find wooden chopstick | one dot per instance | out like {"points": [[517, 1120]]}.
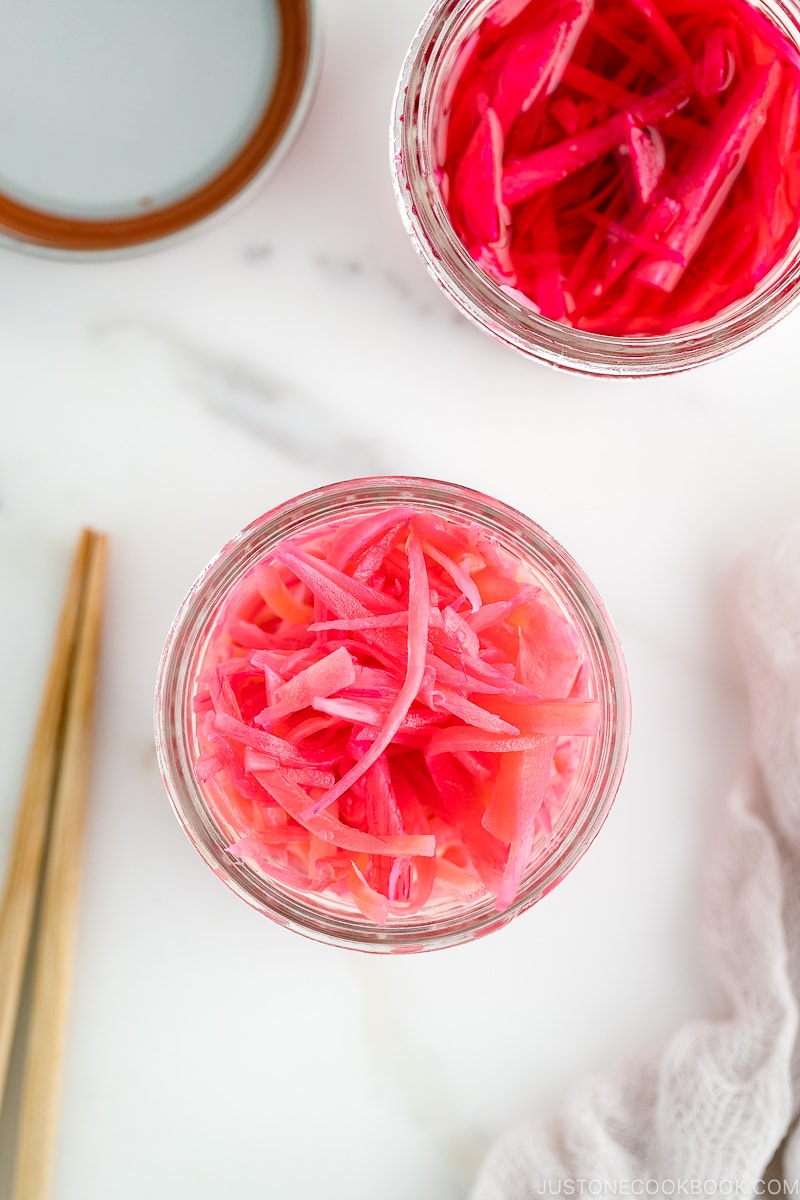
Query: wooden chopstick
{"points": [[56, 786], [27, 846]]}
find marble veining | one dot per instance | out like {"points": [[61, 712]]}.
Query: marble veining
{"points": [[264, 406], [416, 298]]}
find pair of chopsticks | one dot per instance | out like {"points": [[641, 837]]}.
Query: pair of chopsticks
{"points": [[45, 865]]}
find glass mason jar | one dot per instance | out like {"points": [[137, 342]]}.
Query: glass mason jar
{"points": [[442, 921], [428, 65]]}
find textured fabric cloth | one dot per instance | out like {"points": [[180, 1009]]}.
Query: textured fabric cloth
{"points": [[706, 1113]]}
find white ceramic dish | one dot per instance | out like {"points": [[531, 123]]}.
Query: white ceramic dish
{"points": [[122, 125]]}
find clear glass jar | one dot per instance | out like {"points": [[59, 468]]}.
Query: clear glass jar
{"points": [[442, 921], [428, 64]]}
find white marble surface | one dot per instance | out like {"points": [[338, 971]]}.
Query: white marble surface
{"points": [[171, 398]]}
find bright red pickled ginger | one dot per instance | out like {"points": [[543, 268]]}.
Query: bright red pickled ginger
{"points": [[392, 710], [627, 167]]}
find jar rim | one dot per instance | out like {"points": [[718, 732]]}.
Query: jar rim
{"points": [[484, 302], [185, 646]]}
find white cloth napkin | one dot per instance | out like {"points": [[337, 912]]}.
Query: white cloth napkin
{"points": [[706, 1113]]}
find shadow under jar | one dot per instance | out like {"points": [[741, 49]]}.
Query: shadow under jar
{"points": [[608, 186], [298, 643]]}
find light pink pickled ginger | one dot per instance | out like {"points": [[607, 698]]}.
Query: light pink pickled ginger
{"points": [[389, 712]]}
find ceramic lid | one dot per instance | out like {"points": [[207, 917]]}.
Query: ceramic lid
{"points": [[122, 123]]}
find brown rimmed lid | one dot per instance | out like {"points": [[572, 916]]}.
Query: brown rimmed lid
{"points": [[34, 224]]}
